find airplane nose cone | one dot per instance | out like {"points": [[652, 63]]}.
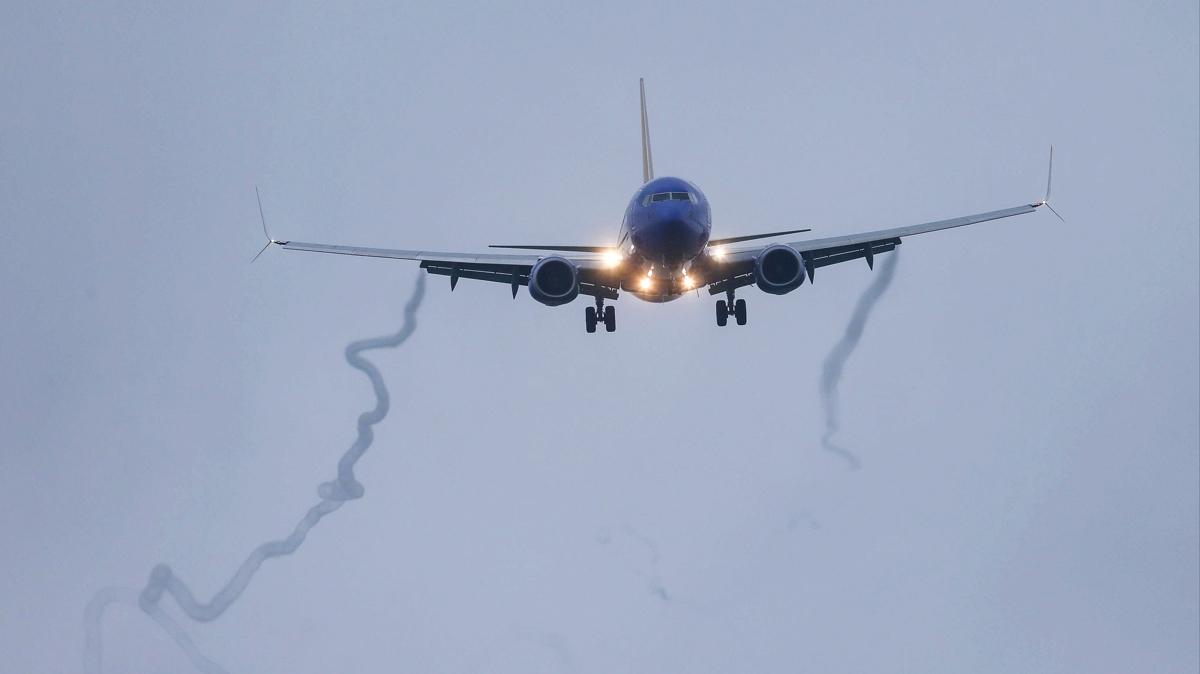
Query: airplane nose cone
{"points": [[672, 236]]}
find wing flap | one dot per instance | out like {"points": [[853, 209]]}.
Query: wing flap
{"points": [[517, 275], [513, 275], [828, 256]]}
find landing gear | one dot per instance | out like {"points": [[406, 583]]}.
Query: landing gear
{"points": [[730, 307], [598, 314]]}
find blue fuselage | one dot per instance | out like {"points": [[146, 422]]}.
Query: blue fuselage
{"points": [[666, 226]]}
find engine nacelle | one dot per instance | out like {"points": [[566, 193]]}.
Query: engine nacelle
{"points": [[554, 281], [779, 269]]}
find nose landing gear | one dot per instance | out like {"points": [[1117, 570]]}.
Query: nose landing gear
{"points": [[598, 314], [727, 308]]}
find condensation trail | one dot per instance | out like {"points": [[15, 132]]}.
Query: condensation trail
{"points": [[561, 648], [653, 578], [656, 583], [333, 494], [831, 374]]}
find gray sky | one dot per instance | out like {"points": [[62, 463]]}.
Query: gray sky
{"points": [[1024, 401]]}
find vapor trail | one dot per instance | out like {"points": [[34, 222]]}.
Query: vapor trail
{"points": [[656, 584], [831, 374], [653, 578], [333, 494]]}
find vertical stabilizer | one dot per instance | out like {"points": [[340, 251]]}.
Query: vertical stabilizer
{"points": [[647, 159]]}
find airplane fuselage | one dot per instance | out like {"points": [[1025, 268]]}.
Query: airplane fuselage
{"points": [[666, 227]]}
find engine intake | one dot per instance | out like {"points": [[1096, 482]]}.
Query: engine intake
{"points": [[554, 281], [778, 270]]}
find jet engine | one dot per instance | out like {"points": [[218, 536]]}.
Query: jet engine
{"points": [[778, 270], [553, 281]]}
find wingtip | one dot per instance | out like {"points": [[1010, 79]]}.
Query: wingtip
{"points": [[266, 233], [1056, 213], [1049, 175], [260, 252], [1049, 181], [262, 216]]}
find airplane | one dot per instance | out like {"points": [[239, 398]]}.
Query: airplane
{"points": [[663, 251]]}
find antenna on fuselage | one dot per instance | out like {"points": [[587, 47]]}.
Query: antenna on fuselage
{"points": [[647, 159]]}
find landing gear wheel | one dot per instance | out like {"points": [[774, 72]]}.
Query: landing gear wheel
{"points": [[610, 319], [739, 312], [722, 313], [590, 318]]}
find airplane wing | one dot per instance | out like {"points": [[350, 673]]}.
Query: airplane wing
{"points": [[751, 237], [734, 266], [509, 269]]}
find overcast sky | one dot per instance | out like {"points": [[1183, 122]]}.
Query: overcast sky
{"points": [[1023, 402]]}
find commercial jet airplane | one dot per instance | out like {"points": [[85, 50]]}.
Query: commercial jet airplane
{"points": [[663, 250]]}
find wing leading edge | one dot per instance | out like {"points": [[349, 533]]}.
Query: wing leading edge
{"points": [[420, 255], [513, 270]]}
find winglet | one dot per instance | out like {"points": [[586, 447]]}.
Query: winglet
{"points": [[266, 233], [1050, 176]]}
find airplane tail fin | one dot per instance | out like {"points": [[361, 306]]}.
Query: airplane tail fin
{"points": [[647, 158]]}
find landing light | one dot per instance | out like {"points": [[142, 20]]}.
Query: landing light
{"points": [[645, 284], [686, 281], [613, 259], [717, 253]]}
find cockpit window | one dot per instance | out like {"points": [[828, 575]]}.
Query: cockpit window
{"points": [[666, 196]]}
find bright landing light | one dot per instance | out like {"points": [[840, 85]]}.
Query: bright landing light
{"points": [[613, 259], [646, 283], [686, 281], [716, 253]]}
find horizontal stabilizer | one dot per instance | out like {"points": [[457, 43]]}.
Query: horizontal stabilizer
{"points": [[751, 237]]}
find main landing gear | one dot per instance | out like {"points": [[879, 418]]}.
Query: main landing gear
{"points": [[600, 313], [727, 308]]}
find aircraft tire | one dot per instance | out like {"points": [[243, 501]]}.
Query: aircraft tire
{"points": [[739, 311], [610, 319], [589, 316], [722, 313]]}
